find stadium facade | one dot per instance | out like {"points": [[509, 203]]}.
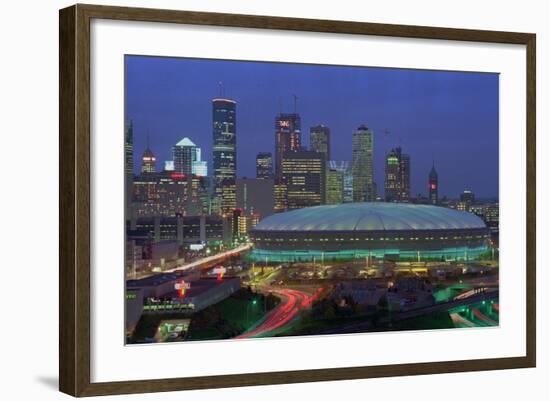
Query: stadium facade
{"points": [[378, 230]]}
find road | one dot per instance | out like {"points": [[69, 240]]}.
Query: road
{"points": [[292, 303], [211, 259], [394, 317]]}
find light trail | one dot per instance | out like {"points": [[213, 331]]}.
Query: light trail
{"points": [[485, 319], [459, 320], [211, 259], [293, 302]]}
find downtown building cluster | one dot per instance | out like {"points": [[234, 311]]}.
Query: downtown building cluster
{"points": [[183, 203]]}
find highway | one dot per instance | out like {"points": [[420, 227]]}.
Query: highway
{"points": [[209, 260], [459, 321], [438, 307], [292, 303], [485, 319]]}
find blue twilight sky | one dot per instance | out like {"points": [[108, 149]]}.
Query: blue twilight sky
{"points": [[450, 117]]}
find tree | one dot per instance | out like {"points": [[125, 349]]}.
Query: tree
{"points": [[383, 302]]}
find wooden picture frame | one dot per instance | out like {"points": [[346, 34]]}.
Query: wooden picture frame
{"points": [[74, 203]]}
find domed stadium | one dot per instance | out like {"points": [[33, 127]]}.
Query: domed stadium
{"points": [[393, 231]]}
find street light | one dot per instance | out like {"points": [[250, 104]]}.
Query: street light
{"points": [[247, 307]]}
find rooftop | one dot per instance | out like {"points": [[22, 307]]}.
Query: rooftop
{"points": [[371, 216], [155, 280], [186, 142], [201, 286]]}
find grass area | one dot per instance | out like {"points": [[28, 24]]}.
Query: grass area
{"points": [[434, 321], [235, 311], [230, 317], [308, 326]]}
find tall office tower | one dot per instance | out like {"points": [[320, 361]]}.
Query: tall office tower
{"points": [[467, 199], [239, 224], [304, 174], [405, 177], [364, 188], [280, 201], [392, 182], [335, 187], [183, 154], [224, 152], [148, 161], [397, 186], [288, 137], [128, 165], [468, 196], [129, 147], [433, 186], [264, 165], [319, 140], [345, 167]]}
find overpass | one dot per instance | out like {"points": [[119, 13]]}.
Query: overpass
{"points": [[486, 295], [210, 261]]}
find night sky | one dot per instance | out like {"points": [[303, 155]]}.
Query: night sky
{"points": [[450, 117]]}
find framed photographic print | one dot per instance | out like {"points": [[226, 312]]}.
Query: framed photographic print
{"points": [[303, 198]]}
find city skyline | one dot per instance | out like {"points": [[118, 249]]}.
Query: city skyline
{"points": [[194, 121], [330, 233]]}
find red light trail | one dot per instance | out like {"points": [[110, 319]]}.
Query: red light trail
{"points": [[293, 302]]}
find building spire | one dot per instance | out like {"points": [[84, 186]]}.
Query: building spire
{"points": [[221, 89], [295, 103]]}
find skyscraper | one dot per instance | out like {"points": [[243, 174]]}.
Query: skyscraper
{"points": [[264, 165], [187, 159], [224, 152], [397, 185], [433, 185], [183, 153], [148, 161], [129, 147], [288, 137], [405, 177], [468, 196], [334, 187], [128, 165], [467, 199], [392, 181], [304, 174], [345, 167], [319, 140], [280, 201], [364, 188]]}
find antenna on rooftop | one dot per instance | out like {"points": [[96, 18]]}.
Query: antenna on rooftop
{"points": [[222, 92], [295, 103]]}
